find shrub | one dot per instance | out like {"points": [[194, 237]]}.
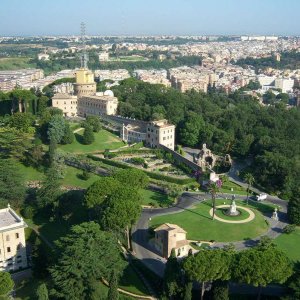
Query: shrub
{"points": [[28, 212], [289, 228], [85, 175], [88, 135], [137, 160]]}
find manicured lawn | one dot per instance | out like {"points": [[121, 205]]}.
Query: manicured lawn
{"points": [[29, 173], [290, 244], [221, 212], [155, 198], [228, 185], [131, 282], [103, 140], [73, 178], [199, 225]]}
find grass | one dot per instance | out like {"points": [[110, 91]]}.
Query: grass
{"points": [[228, 185], [14, 63], [289, 243], [29, 173], [155, 199], [221, 212], [199, 225], [103, 140], [131, 282]]}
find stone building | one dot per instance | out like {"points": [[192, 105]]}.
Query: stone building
{"points": [[85, 84], [98, 104], [160, 133], [132, 134], [171, 236], [13, 254], [67, 103]]}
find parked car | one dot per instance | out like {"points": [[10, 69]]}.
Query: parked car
{"points": [[261, 197]]}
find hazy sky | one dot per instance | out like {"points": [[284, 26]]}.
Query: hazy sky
{"points": [[150, 17]]}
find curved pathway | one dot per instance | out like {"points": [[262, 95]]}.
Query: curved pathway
{"points": [[249, 219], [148, 255]]}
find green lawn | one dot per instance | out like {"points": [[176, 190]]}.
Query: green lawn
{"points": [[155, 199], [228, 185], [290, 244], [14, 63], [103, 140], [221, 212], [29, 173], [199, 226]]}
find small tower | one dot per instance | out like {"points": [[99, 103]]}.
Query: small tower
{"points": [[85, 84]]}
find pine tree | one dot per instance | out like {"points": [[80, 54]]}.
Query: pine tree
{"points": [[88, 135], [68, 137], [113, 293], [42, 292]]}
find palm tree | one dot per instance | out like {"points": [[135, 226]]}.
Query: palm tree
{"points": [[250, 180], [214, 188]]}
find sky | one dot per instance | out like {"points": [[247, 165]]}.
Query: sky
{"points": [[150, 17]]}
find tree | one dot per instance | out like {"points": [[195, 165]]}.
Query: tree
{"points": [[250, 180], [294, 209], [262, 265], [6, 283], [22, 121], [121, 210], [42, 292], [214, 188], [68, 136], [208, 265], [42, 104], [49, 192], [99, 191], [220, 291], [172, 275], [94, 122], [88, 135], [86, 254], [190, 132], [133, 178], [113, 293], [56, 128], [187, 294], [12, 189]]}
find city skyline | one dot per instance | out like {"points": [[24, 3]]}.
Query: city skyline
{"points": [[132, 17]]}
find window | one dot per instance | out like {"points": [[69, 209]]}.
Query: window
{"points": [[8, 249], [17, 235], [7, 238]]}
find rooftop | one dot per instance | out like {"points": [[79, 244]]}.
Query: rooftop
{"points": [[170, 227], [9, 219]]}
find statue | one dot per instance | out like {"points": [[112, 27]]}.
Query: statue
{"points": [[232, 211], [275, 214]]}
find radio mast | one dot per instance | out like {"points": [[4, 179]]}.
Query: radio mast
{"points": [[84, 57]]}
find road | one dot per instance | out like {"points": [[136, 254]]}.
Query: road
{"points": [[148, 255]]}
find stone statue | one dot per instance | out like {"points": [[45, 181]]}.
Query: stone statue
{"points": [[232, 211], [275, 214]]}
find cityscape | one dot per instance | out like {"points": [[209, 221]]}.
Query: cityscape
{"points": [[150, 151]]}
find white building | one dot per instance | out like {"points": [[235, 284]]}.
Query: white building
{"points": [[67, 103], [12, 241], [43, 56], [103, 56], [160, 133], [285, 84]]}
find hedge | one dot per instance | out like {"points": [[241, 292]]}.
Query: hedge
{"points": [[150, 174]]}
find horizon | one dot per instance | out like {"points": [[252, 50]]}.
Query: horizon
{"points": [[135, 18]]}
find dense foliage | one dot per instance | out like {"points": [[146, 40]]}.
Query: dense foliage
{"points": [[288, 60], [234, 124]]}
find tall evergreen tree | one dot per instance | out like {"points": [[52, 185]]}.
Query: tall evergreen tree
{"points": [[88, 135], [42, 292], [113, 293]]}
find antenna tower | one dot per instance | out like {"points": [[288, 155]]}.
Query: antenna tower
{"points": [[84, 56]]}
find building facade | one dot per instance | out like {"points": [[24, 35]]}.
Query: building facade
{"points": [[13, 254], [97, 105], [160, 133], [67, 103], [132, 134], [171, 236], [85, 84]]}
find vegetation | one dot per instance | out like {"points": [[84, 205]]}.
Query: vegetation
{"points": [[199, 226], [6, 284], [288, 60]]}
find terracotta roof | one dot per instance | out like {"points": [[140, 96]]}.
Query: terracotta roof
{"points": [[170, 227]]}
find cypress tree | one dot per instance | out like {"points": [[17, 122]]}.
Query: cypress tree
{"points": [[113, 293], [88, 135]]}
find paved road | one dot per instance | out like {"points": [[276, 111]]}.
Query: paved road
{"points": [[147, 254]]}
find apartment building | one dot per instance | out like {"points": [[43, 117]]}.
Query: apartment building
{"points": [[160, 133], [13, 254]]}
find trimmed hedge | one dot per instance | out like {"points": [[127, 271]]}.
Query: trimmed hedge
{"points": [[150, 174]]}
